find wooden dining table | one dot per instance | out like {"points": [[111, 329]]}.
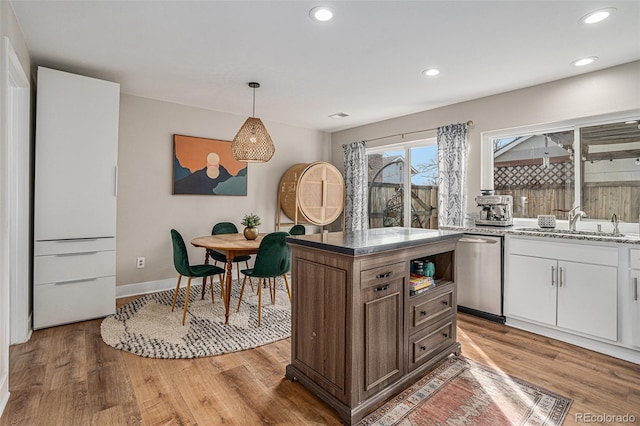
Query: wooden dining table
{"points": [[232, 245]]}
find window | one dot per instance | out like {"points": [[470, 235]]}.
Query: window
{"points": [[537, 170], [548, 170], [398, 194]]}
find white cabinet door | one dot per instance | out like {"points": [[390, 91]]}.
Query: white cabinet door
{"points": [[76, 156], [532, 289], [588, 299], [635, 308]]}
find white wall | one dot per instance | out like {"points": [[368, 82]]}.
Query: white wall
{"points": [[147, 210], [611, 90]]}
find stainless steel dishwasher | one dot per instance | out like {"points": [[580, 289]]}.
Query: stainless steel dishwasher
{"points": [[479, 276]]}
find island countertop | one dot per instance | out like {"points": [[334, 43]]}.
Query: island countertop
{"points": [[358, 243]]}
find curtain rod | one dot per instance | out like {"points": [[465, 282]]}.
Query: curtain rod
{"points": [[469, 123]]}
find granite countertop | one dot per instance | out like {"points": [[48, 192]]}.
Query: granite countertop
{"points": [[373, 240], [626, 238]]}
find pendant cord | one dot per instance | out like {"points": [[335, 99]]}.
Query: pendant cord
{"points": [[254, 102]]}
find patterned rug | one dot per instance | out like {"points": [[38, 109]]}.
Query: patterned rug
{"points": [[148, 328], [462, 392]]}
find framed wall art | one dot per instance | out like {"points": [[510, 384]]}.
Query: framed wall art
{"points": [[206, 166]]}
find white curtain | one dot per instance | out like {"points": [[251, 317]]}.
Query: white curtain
{"points": [[452, 174], [355, 179]]}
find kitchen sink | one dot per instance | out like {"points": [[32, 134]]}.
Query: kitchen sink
{"points": [[568, 232]]}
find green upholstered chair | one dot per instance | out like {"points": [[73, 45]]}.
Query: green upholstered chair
{"points": [[181, 263], [297, 230], [272, 260], [227, 228]]}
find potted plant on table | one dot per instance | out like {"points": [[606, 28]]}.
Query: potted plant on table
{"points": [[251, 222]]}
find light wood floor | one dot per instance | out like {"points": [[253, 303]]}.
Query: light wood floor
{"points": [[67, 376]]}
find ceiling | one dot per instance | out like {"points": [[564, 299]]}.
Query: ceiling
{"points": [[366, 62]]}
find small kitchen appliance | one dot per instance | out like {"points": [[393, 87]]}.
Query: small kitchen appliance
{"points": [[496, 210]]}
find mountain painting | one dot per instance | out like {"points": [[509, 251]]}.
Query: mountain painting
{"points": [[207, 167]]}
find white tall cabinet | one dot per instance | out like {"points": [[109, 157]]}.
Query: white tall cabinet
{"points": [[75, 198]]}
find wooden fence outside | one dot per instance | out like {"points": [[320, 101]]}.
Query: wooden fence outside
{"points": [[596, 201]]}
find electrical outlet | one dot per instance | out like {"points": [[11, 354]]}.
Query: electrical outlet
{"points": [[140, 262]]}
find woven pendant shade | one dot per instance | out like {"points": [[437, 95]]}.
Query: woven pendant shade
{"points": [[252, 143]]}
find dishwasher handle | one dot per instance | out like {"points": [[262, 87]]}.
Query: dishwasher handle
{"points": [[477, 240]]}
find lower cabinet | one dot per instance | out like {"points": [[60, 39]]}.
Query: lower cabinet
{"points": [[547, 285], [74, 280], [432, 323], [383, 354]]}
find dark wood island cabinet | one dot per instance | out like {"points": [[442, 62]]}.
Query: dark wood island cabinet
{"points": [[359, 335]]}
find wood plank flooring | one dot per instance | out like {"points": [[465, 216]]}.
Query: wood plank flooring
{"points": [[67, 376]]}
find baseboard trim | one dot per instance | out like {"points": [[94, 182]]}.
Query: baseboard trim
{"points": [[4, 393], [137, 289]]}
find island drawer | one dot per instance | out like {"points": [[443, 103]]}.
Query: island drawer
{"points": [[382, 275], [431, 306], [423, 345]]}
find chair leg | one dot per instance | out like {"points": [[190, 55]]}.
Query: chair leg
{"points": [[286, 282], [213, 300], [259, 300], [204, 287], [244, 281], [272, 289], [221, 287], [221, 276], [250, 280], [175, 295], [186, 301]]}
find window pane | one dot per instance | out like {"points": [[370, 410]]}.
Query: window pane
{"points": [[611, 171], [386, 182], [424, 187], [537, 170]]}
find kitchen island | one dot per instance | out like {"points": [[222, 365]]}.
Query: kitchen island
{"points": [[360, 334]]}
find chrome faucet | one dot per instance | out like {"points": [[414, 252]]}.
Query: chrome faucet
{"points": [[615, 221], [574, 215]]}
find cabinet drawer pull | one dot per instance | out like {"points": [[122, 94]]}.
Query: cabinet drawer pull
{"points": [[423, 348], [635, 289], [75, 281], [445, 302], [560, 272], [553, 276], [423, 313], [84, 253], [445, 334], [385, 275], [382, 288]]}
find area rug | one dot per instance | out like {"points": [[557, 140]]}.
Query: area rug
{"points": [[463, 392], [148, 328]]}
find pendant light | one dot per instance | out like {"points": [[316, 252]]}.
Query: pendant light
{"points": [[252, 143]]}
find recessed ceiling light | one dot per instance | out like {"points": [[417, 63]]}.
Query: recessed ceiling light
{"points": [[321, 13], [598, 15], [431, 72], [339, 115], [584, 61]]}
